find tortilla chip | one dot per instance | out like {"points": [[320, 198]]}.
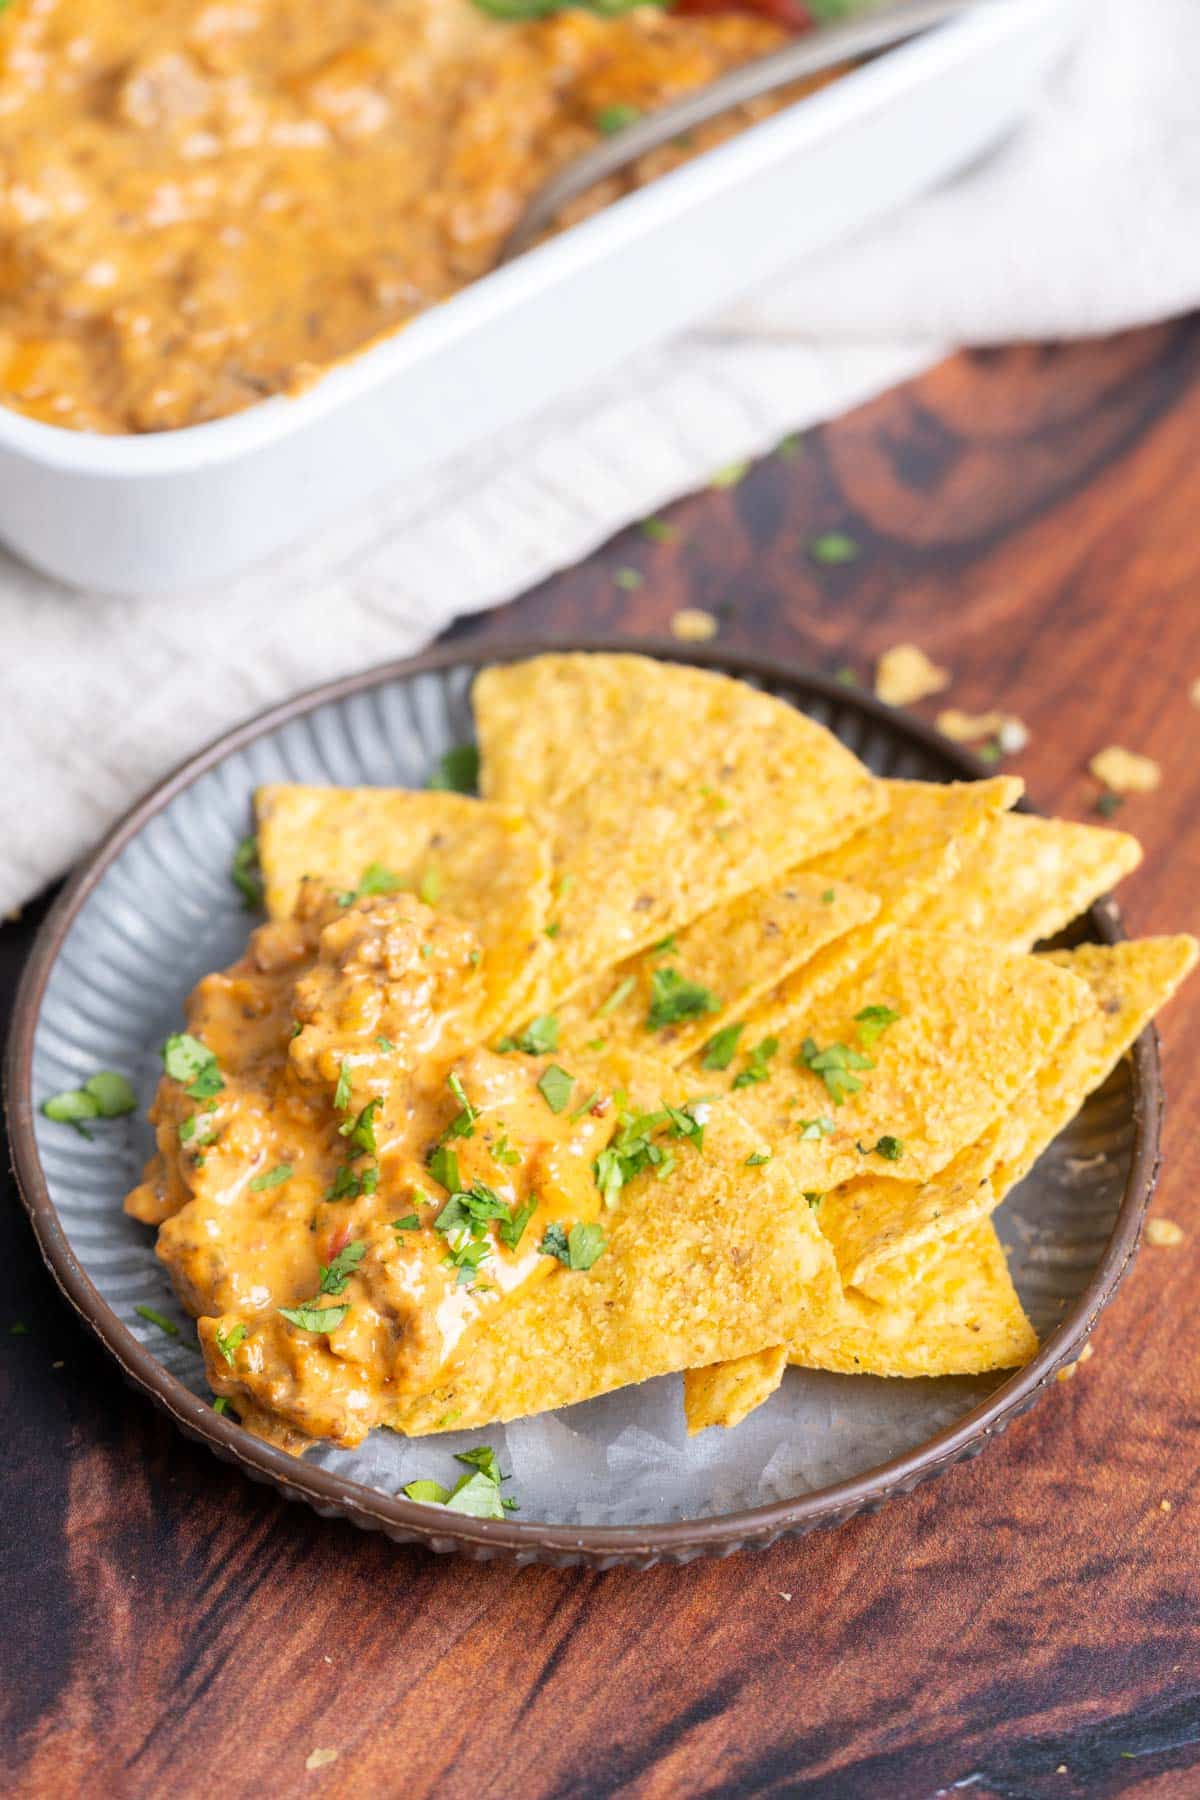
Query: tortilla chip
{"points": [[485, 865], [736, 952], [874, 1224], [1028, 877], [901, 859], [713, 1260], [727, 1392], [662, 790], [971, 1024], [955, 1312]]}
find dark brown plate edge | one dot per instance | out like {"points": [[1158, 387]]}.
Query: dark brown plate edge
{"points": [[595, 1546]]}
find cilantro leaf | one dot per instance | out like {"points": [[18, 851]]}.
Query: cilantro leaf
{"points": [[228, 1341], [556, 1087], [833, 1065], [165, 1325], [443, 1166], [272, 1178], [890, 1148], [112, 1092], [429, 1493], [757, 1062], [71, 1108], [410, 1222], [757, 1159], [577, 1248], [484, 1459], [311, 1317], [186, 1059], [341, 1093], [816, 1128], [334, 1278], [361, 1130], [719, 1050], [457, 770], [246, 875], [673, 997], [462, 1125], [350, 1183], [539, 1038], [511, 1231], [872, 1022], [617, 998]]}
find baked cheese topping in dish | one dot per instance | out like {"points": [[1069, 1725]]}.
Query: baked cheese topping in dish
{"points": [[205, 202]]}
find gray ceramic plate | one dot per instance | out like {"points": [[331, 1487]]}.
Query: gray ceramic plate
{"points": [[615, 1480]]}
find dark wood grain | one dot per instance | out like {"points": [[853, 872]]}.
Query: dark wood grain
{"points": [[1031, 519]]}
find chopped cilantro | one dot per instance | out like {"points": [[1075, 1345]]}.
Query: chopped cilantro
{"points": [[890, 1148], [337, 1274], [376, 879], [361, 1130], [72, 1107], [246, 875], [628, 579], [477, 1493], [112, 1092], [665, 946], [814, 1198], [221, 1405], [485, 1460], [757, 1159], [511, 1231], [539, 1038], [846, 678], [552, 931], [311, 1317], [556, 1087], [989, 752], [505, 1153], [834, 1065], [833, 548], [595, 1044], [618, 996], [757, 1061], [872, 1022], [341, 1093], [457, 770], [816, 1128], [385, 1044], [462, 1125], [430, 887], [350, 1183], [410, 1222], [611, 119], [658, 531], [577, 1248], [673, 997], [443, 1166], [828, 897], [156, 1318], [634, 1149], [1108, 804], [730, 475], [228, 1341], [272, 1178], [429, 1493], [586, 1106], [186, 1059]]}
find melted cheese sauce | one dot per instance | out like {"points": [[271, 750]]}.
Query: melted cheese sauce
{"points": [[203, 202], [337, 1010]]}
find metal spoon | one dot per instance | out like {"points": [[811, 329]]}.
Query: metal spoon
{"points": [[811, 54]]}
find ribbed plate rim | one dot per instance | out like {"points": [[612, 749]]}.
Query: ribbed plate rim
{"points": [[407, 1521]]}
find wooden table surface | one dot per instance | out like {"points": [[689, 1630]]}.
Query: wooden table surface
{"points": [[1029, 1624]]}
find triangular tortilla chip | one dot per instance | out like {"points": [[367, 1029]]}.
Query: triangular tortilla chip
{"points": [[480, 863], [959, 1315], [967, 1025], [902, 859], [714, 1258], [663, 791], [873, 1224], [735, 953], [728, 1392], [1028, 877]]}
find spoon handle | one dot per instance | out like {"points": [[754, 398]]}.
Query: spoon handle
{"points": [[811, 54]]}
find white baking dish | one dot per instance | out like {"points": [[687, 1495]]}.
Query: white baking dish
{"points": [[176, 510]]}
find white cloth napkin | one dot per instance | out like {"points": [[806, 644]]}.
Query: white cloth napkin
{"points": [[1086, 222]]}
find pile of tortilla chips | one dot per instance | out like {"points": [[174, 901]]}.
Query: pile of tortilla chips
{"points": [[718, 903]]}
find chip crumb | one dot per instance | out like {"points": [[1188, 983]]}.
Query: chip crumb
{"points": [[1194, 692], [1164, 1234], [1061, 1769], [1164, 1506], [968, 728], [1088, 1350], [904, 674], [1125, 771], [320, 1759], [1013, 736], [1067, 1372], [784, 1596], [692, 626]]}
